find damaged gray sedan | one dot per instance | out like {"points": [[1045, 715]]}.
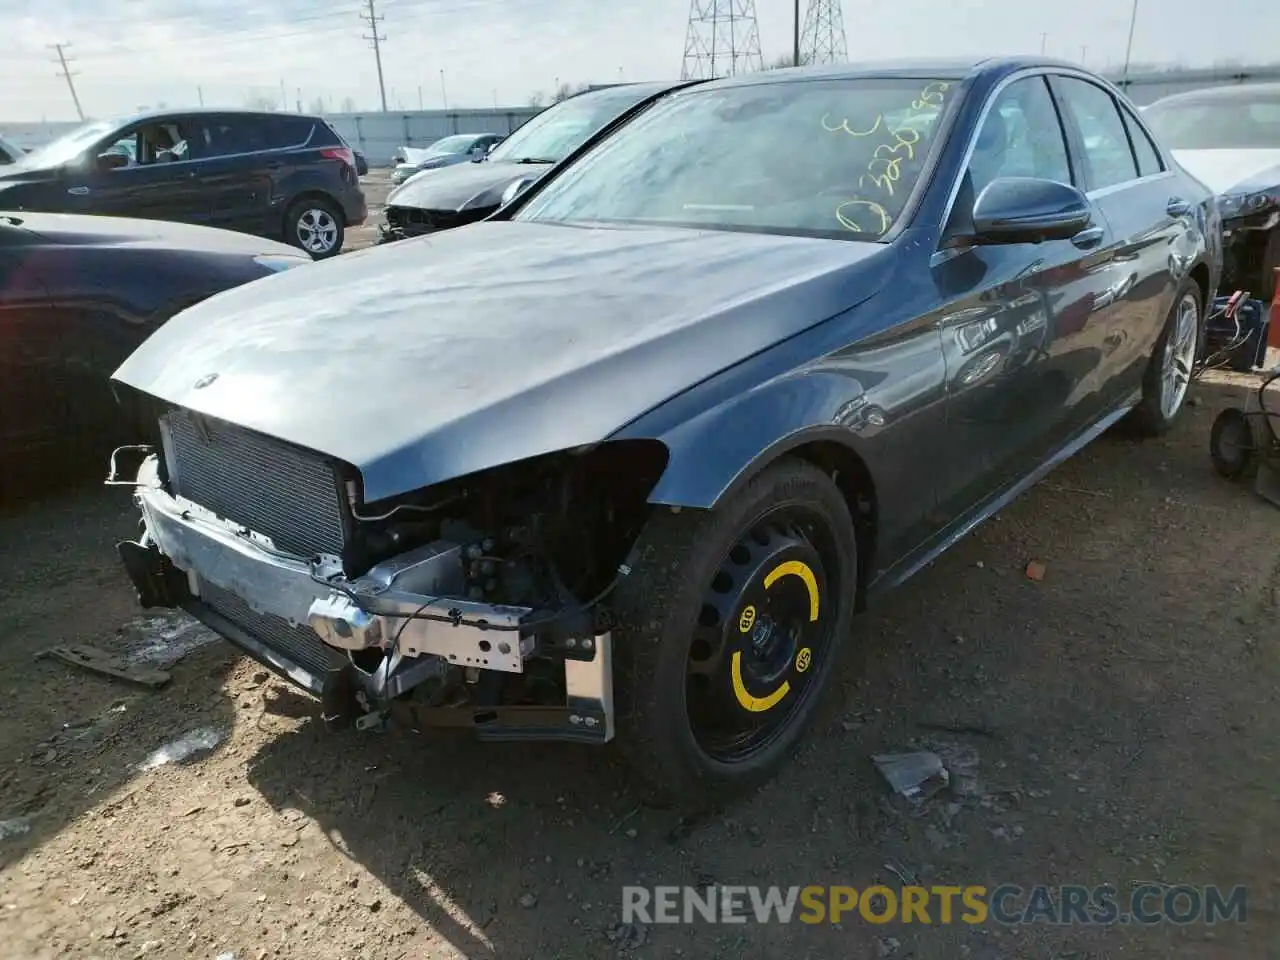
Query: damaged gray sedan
{"points": [[620, 462]]}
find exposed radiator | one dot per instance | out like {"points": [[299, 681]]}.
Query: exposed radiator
{"points": [[280, 491], [300, 645]]}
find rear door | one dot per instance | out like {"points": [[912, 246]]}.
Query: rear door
{"points": [[244, 156], [1130, 182], [1019, 319]]}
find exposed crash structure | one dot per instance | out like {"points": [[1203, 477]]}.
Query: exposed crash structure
{"points": [[478, 602]]}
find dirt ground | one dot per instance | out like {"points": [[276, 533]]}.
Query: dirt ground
{"points": [[1124, 711]]}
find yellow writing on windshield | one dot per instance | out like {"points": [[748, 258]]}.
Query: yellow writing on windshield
{"points": [[884, 169]]}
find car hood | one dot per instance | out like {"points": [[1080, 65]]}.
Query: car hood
{"points": [[81, 230], [464, 186], [440, 356], [1232, 171]]}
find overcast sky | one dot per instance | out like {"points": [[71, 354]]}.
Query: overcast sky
{"points": [[131, 53]]}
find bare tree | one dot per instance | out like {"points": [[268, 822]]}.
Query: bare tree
{"points": [[567, 90], [349, 105], [318, 106], [537, 99], [261, 103]]}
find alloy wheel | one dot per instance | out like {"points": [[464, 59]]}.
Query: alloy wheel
{"points": [[317, 230], [1179, 356]]}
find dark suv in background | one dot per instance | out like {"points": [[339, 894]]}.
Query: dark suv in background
{"points": [[280, 175]]}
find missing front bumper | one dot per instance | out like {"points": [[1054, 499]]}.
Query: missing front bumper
{"points": [[271, 606]]}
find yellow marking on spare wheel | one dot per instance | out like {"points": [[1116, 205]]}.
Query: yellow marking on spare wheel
{"points": [[747, 620], [804, 659], [754, 704], [797, 568]]}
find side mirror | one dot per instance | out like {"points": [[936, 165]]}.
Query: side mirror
{"points": [[111, 161], [1028, 210]]}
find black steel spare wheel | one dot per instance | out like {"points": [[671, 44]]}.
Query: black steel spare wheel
{"points": [[759, 633], [729, 628]]}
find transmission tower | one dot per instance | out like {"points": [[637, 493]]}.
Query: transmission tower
{"points": [[722, 40], [823, 40]]}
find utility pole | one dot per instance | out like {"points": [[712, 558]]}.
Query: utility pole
{"points": [[67, 74], [1128, 50], [299, 99], [1044, 43], [376, 40], [795, 37], [284, 98], [443, 94], [1084, 52], [200, 94], [421, 106]]}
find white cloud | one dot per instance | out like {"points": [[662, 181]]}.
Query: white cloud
{"points": [[134, 52]]}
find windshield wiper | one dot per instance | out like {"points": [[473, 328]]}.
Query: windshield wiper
{"points": [[534, 160]]}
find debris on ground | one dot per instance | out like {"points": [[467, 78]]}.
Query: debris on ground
{"points": [[916, 776], [163, 641], [14, 828], [628, 936], [196, 741], [528, 900], [961, 764], [887, 946], [101, 662], [1036, 571]]}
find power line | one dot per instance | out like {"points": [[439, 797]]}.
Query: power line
{"points": [[373, 20], [68, 74]]}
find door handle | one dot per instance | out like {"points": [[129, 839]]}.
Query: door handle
{"points": [[1177, 207], [1088, 237], [78, 191]]}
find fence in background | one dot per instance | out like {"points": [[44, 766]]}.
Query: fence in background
{"points": [[1145, 88], [379, 135]]}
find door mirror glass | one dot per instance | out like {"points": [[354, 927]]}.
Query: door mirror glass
{"points": [[1028, 210], [111, 161]]}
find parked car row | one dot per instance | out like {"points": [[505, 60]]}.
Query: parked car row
{"points": [[619, 463]]}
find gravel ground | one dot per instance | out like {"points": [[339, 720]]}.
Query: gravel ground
{"points": [[1123, 710]]}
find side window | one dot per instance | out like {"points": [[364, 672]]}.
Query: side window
{"points": [[284, 132], [153, 143], [1021, 137], [1148, 157], [1106, 144]]}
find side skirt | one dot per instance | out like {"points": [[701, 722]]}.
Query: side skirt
{"points": [[920, 558]]}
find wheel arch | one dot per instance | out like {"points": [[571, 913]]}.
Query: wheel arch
{"points": [[311, 194], [826, 446]]}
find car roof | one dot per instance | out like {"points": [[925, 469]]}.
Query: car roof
{"points": [[213, 112], [1240, 91], [933, 68], [637, 91]]}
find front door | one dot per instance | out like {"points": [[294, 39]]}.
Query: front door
{"points": [[157, 181], [1019, 320]]}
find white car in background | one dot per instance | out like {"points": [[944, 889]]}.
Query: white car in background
{"points": [[1229, 139]]}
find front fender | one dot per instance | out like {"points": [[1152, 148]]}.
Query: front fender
{"points": [[881, 398]]}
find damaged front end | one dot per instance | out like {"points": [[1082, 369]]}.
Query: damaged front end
{"points": [[480, 602]]}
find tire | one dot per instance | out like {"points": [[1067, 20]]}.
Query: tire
{"points": [[1154, 416], [695, 579], [315, 225], [1232, 446]]}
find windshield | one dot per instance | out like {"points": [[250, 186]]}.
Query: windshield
{"points": [[559, 130], [1242, 122], [460, 143], [835, 158], [71, 145]]}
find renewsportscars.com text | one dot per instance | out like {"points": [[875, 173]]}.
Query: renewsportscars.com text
{"points": [[1005, 904]]}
